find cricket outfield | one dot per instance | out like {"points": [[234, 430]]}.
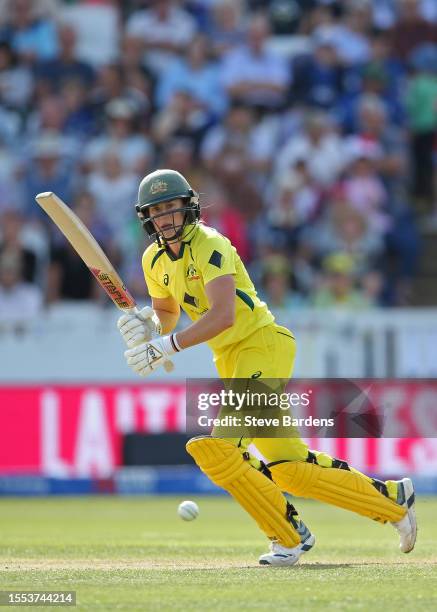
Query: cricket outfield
{"points": [[124, 553]]}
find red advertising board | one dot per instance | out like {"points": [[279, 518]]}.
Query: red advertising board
{"points": [[76, 430]]}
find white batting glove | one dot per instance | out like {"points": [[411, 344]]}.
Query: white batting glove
{"points": [[149, 356], [138, 328]]}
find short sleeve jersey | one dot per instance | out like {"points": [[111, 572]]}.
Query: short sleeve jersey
{"points": [[206, 256]]}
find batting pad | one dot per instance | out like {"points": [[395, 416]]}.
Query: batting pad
{"points": [[223, 463], [341, 487]]}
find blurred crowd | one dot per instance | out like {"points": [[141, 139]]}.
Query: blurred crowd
{"points": [[308, 126]]}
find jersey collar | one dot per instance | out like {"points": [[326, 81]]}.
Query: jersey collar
{"points": [[174, 257]]}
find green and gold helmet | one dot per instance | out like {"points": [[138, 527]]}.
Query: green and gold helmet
{"points": [[163, 186]]}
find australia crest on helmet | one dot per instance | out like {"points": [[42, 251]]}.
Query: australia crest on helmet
{"points": [[158, 186]]}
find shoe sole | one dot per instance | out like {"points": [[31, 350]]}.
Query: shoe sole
{"points": [[410, 502], [304, 547]]}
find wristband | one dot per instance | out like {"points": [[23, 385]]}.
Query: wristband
{"points": [[175, 343], [171, 346]]}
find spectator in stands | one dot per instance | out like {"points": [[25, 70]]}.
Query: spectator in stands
{"points": [[97, 26], [132, 52], [276, 282], [382, 56], [319, 144], [392, 164], [226, 29], [239, 155], [114, 189], [165, 30], [48, 169], [10, 128], [135, 150], [20, 301], [219, 214], [318, 77], [383, 14], [79, 115], [109, 86], [179, 154], [295, 201], [346, 230], [236, 130], [16, 81], [33, 37], [240, 132], [383, 75], [392, 167], [184, 117], [11, 243], [54, 115], [411, 30], [362, 188], [232, 170], [9, 173], [50, 117], [252, 73], [138, 88], [373, 80], [337, 289], [195, 73], [349, 36], [66, 65], [320, 16], [421, 102], [138, 79]]}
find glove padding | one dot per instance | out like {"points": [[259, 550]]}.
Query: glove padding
{"points": [[138, 328], [149, 356]]}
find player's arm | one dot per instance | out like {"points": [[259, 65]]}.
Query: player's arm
{"points": [[221, 315], [168, 311], [220, 291]]}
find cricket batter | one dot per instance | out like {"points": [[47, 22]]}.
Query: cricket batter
{"points": [[192, 266]]}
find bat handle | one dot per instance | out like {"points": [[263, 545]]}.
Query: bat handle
{"points": [[168, 364]]}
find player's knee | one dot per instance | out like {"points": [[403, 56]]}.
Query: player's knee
{"points": [[219, 459]]}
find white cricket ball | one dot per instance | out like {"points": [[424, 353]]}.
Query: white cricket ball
{"points": [[188, 510]]}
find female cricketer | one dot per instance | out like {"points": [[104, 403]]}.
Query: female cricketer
{"points": [[192, 266]]}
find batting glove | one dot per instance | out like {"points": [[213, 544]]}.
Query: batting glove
{"points": [[138, 328], [149, 356]]}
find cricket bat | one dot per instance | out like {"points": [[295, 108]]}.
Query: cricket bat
{"points": [[91, 253]]}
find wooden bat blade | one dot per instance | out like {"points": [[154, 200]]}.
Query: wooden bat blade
{"points": [[87, 248]]}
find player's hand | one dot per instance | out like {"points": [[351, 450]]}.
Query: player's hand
{"points": [[149, 356], [138, 328]]}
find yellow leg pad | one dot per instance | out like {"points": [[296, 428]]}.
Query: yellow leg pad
{"points": [[222, 462], [343, 488]]}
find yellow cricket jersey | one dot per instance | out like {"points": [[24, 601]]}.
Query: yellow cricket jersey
{"points": [[204, 257]]}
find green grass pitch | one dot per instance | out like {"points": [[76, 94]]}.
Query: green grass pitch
{"points": [[137, 554]]}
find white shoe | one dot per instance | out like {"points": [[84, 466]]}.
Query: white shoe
{"points": [[407, 526], [280, 556]]}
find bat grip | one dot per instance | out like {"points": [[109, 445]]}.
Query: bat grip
{"points": [[168, 364]]}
